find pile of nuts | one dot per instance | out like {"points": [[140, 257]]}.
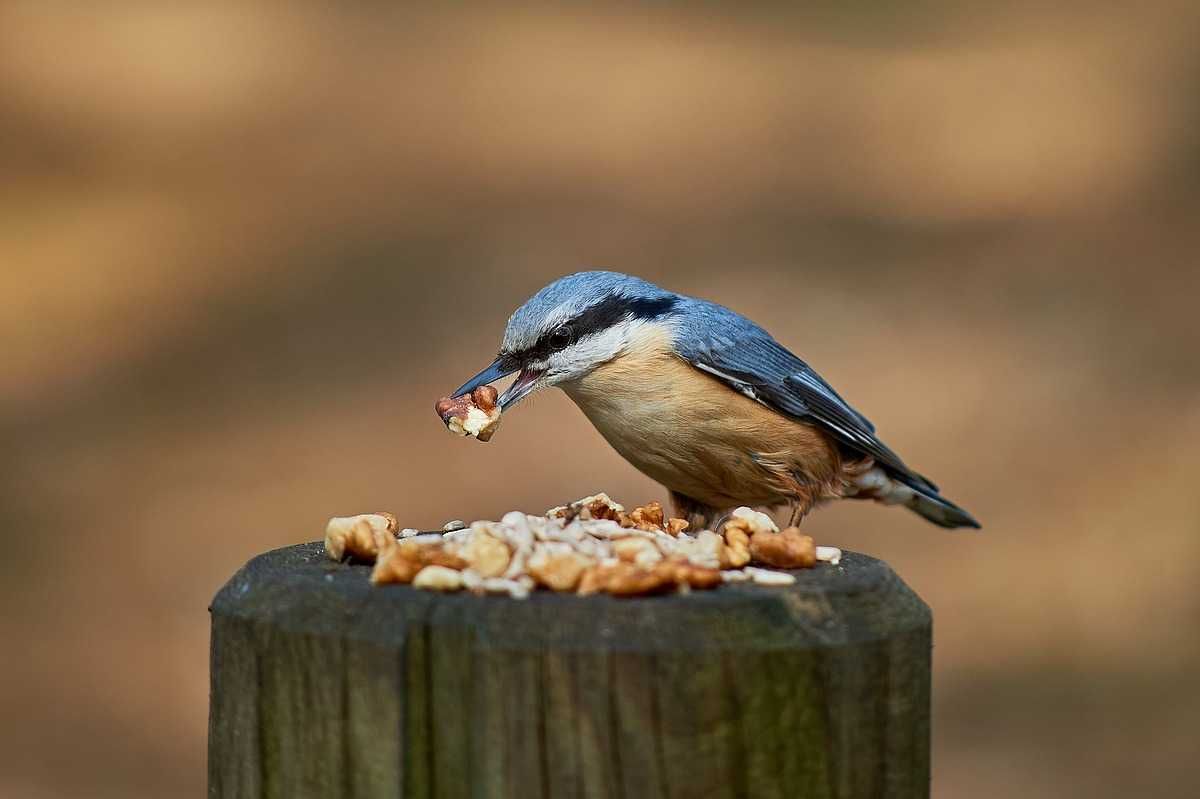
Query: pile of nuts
{"points": [[588, 547]]}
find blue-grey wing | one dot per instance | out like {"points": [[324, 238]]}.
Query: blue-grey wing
{"points": [[745, 357]]}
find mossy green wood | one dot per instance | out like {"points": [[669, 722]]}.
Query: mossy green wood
{"points": [[324, 686]]}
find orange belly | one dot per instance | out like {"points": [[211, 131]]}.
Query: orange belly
{"points": [[700, 438]]}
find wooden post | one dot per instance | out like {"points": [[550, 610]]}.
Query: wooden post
{"points": [[324, 686]]}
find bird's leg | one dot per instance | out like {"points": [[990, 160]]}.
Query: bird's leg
{"points": [[798, 511], [698, 514]]}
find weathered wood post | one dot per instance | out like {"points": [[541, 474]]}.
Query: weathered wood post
{"points": [[324, 686]]}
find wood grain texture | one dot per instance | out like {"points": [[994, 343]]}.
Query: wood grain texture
{"points": [[324, 686]]}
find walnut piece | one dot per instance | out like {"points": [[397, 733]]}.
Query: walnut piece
{"points": [[487, 555], [756, 521], [639, 551], [475, 414], [790, 549], [736, 553], [597, 506], [648, 518], [558, 570], [361, 536], [438, 578], [676, 526], [402, 562], [629, 579]]}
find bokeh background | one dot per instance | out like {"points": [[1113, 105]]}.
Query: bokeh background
{"points": [[244, 246]]}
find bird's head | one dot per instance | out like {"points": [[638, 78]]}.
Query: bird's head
{"points": [[570, 327]]}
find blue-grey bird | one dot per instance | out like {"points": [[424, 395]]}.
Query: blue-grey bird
{"points": [[702, 400]]}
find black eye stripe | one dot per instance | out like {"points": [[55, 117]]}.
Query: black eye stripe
{"points": [[598, 317]]}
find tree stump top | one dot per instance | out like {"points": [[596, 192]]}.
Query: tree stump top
{"points": [[299, 589], [324, 685]]}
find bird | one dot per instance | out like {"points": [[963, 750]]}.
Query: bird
{"points": [[702, 400]]}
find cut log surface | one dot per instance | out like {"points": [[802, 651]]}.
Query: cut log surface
{"points": [[326, 686]]}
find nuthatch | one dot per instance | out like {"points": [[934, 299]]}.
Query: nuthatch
{"points": [[702, 400]]}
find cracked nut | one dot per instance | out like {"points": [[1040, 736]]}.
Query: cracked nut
{"points": [[598, 506], [648, 517], [626, 579], [401, 563], [789, 549], [558, 571], [691, 575], [486, 554], [640, 551], [756, 520], [438, 578], [736, 552], [475, 414], [361, 537], [676, 526]]}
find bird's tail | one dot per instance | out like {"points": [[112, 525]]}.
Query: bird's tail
{"points": [[913, 492], [933, 506]]}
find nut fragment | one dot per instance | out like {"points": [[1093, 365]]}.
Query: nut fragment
{"points": [[361, 536], [702, 549], [488, 556], [831, 555], [691, 575], [648, 517], [676, 526], [757, 520], [790, 549], [403, 561], [394, 567], [626, 579], [736, 553], [438, 578], [517, 589], [475, 414], [629, 579], [597, 506], [640, 551], [768, 577], [558, 571]]}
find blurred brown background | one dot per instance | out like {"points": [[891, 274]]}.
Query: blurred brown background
{"points": [[244, 246]]}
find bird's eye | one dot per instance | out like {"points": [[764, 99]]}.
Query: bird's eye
{"points": [[561, 337]]}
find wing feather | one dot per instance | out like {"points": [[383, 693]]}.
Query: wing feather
{"points": [[745, 357]]}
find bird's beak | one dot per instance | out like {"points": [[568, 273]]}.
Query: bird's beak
{"points": [[498, 369], [520, 388]]}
